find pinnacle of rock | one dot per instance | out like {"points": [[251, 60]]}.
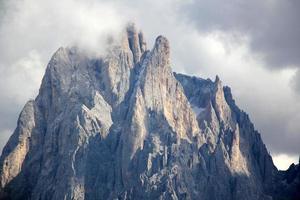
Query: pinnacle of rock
{"points": [[217, 79], [124, 126], [162, 46], [143, 44], [136, 42]]}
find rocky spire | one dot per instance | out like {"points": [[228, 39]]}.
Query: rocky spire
{"points": [[158, 99], [15, 151], [136, 42], [123, 126], [143, 44], [217, 79], [221, 106]]}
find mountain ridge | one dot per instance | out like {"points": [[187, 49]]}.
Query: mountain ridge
{"points": [[124, 126]]}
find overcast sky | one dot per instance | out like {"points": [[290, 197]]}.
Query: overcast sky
{"points": [[254, 46]]}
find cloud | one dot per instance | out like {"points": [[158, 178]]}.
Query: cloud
{"points": [[266, 95], [282, 161], [251, 45], [18, 83], [31, 31], [271, 25], [4, 135]]}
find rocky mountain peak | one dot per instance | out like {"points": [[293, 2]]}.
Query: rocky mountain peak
{"points": [[136, 42], [217, 79], [161, 50], [124, 126], [162, 45]]}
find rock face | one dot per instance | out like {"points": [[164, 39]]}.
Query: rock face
{"points": [[124, 126], [288, 183]]}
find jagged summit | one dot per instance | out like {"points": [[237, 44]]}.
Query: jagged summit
{"points": [[162, 44], [217, 79], [124, 126], [136, 42]]}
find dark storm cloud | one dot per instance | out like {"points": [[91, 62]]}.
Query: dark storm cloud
{"points": [[272, 26], [279, 127]]}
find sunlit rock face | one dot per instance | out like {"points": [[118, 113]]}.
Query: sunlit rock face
{"points": [[124, 126]]}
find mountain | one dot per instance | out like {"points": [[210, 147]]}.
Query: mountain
{"points": [[124, 126], [288, 183]]}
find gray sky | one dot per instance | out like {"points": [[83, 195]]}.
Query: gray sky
{"points": [[254, 46]]}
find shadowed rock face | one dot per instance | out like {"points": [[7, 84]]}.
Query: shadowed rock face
{"points": [[124, 126], [288, 183]]}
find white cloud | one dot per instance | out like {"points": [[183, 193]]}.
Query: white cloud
{"points": [[31, 31], [283, 161], [266, 95], [4, 135], [20, 79]]}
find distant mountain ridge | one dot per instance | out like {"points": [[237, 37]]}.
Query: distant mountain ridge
{"points": [[124, 126]]}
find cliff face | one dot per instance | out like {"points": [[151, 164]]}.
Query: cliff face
{"points": [[288, 183], [124, 126]]}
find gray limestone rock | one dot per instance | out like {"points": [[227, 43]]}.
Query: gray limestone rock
{"points": [[124, 126]]}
